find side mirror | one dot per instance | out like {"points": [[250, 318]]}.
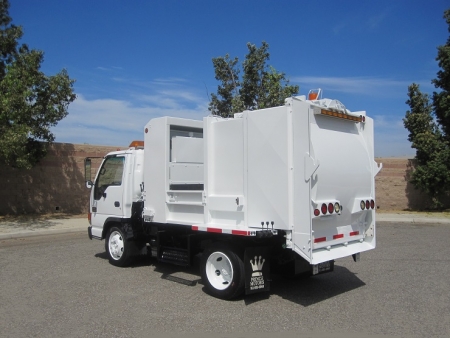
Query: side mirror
{"points": [[87, 172]]}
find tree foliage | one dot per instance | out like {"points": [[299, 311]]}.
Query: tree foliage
{"points": [[30, 102], [261, 85], [428, 124]]}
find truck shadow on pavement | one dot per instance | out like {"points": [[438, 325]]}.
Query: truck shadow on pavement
{"points": [[304, 291], [310, 290]]}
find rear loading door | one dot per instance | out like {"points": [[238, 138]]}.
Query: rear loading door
{"points": [[334, 172]]}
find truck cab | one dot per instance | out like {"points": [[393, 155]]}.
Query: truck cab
{"points": [[117, 185]]}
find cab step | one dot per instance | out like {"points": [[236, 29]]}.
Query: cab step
{"points": [[174, 256]]}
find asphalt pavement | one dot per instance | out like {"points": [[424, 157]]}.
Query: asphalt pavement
{"points": [[26, 226], [63, 286]]}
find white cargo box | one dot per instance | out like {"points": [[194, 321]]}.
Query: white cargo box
{"points": [[267, 169]]}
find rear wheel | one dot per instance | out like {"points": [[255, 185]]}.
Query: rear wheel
{"points": [[222, 271], [118, 249]]}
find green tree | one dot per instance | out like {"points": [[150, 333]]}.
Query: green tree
{"points": [[261, 85], [429, 131], [30, 102]]}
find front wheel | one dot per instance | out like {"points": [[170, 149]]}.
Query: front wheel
{"points": [[222, 271], [119, 251]]}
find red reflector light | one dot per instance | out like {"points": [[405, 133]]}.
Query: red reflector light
{"points": [[215, 230], [320, 239], [330, 208], [354, 233], [338, 236], [324, 208], [372, 204], [367, 204], [239, 232], [316, 212]]}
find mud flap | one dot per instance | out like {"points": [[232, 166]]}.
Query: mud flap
{"points": [[257, 270]]}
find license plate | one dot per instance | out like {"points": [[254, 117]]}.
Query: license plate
{"points": [[325, 267]]}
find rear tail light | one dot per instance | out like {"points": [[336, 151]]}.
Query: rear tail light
{"points": [[327, 208], [367, 204], [330, 208]]}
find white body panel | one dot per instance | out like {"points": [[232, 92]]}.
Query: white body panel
{"points": [[170, 164], [224, 172]]}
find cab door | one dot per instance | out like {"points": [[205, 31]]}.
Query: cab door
{"points": [[107, 195]]}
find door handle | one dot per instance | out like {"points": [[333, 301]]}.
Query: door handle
{"points": [[117, 204]]}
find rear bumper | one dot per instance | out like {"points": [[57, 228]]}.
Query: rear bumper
{"points": [[341, 251], [90, 232]]}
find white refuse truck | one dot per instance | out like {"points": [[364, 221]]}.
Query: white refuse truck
{"points": [[288, 189]]}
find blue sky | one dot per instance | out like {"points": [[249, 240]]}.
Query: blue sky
{"points": [[135, 60]]}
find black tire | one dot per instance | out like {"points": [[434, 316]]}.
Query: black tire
{"points": [[118, 249], [222, 271]]}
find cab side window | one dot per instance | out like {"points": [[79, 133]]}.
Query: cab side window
{"points": [[110, 173]]}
